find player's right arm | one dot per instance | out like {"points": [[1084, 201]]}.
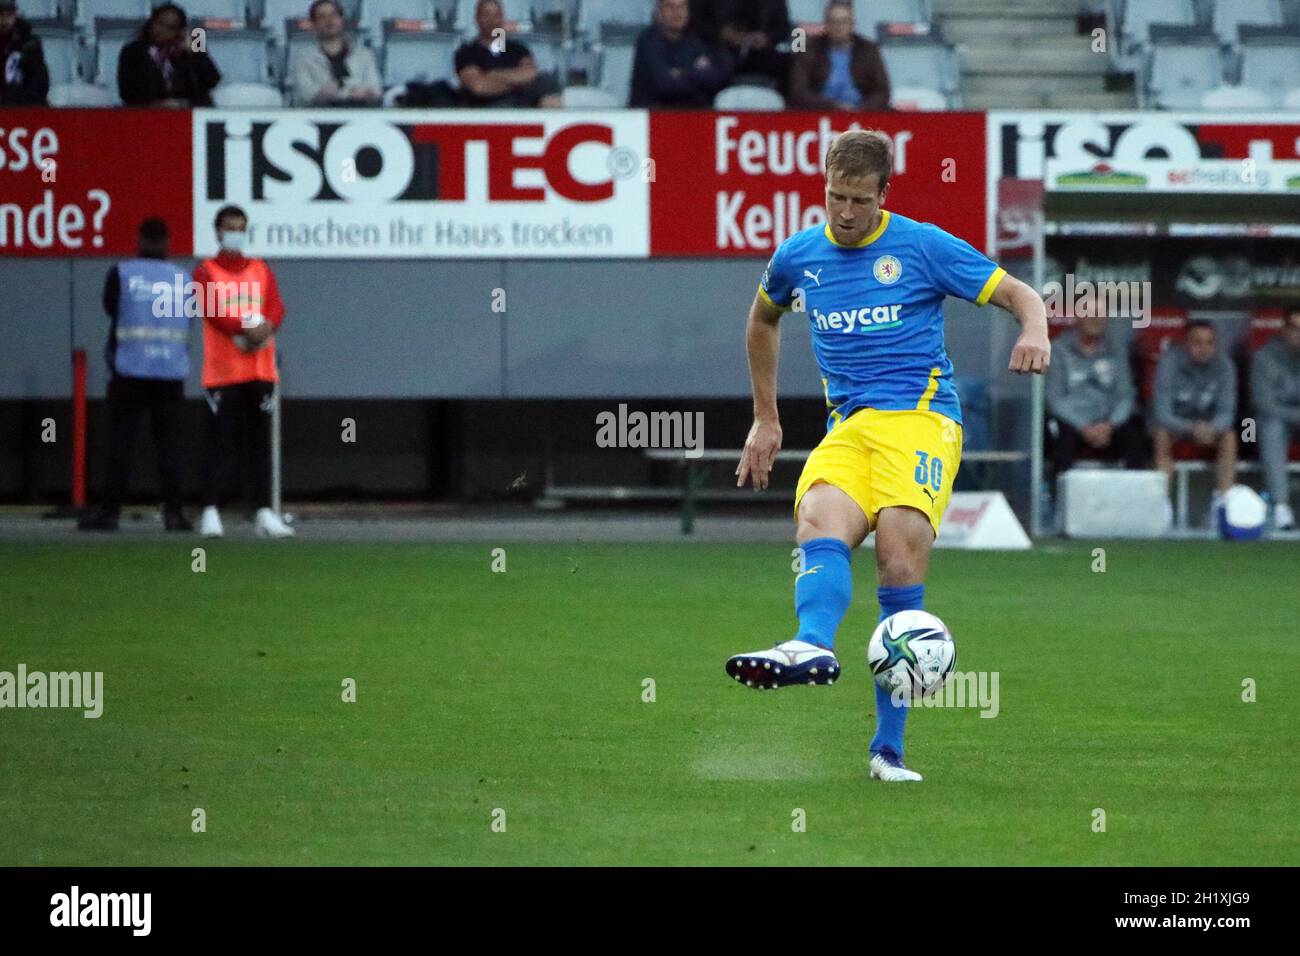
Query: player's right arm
{"points": [[763, 344]]}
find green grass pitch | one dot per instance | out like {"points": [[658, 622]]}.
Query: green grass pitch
{"points": [[523, 691]]}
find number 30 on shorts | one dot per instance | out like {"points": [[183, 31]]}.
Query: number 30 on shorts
{"points": [[929, 471]]}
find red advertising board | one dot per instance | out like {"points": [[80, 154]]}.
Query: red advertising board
{"points": [[737, 184], [78, 182]]}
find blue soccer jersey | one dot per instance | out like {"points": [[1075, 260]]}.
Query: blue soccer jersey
{"points": [[876, 310]]}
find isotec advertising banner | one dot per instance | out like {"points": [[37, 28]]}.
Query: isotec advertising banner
{"points": [[511, 184], [737, 184], [78, 182], [1148, 152]]}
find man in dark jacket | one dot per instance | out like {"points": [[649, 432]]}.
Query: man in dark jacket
{"points": [[839, 70], [25, 80], [148, 357], [749, 31], [159, 67], [673, 66]]}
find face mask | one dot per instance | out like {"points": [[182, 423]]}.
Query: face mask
{"points": [[234, 241]]}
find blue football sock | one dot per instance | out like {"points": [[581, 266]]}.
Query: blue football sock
{"points": [[823, 590], [892, 719]]}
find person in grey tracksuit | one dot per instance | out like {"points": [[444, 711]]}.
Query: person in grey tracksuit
{"points": [[1275, 391], [1090, 399], [1195, 399]]}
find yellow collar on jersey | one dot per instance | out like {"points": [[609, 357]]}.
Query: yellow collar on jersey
{"points": [[879, 231]]}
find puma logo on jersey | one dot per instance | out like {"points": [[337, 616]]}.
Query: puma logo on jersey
{"points": [[816, 278]]}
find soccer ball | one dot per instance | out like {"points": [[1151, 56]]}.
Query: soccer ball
{"points": [[911, 653]]}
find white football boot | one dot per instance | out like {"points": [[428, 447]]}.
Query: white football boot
{"points": [[890, 769], [268, 524], [792, 662], [1283, 517], [210, 523]]}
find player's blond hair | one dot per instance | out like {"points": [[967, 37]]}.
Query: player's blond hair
{"points": [[859, 153]]}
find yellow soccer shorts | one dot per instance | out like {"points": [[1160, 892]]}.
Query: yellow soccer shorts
{"points": [[881, 459]]}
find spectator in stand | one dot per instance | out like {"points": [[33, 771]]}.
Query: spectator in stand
{"points": [[673, 66], [242, 313], [25, 80], [159, 67], [750, 32], [1195, 399], [334, 72], [1275, 391], [497, 71], [1090, 398], [839, 70], [148, 359]]}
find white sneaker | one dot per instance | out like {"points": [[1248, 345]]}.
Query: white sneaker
{"points": [[1283, 517], [788, 663], [268, 524], [891, 770], [210, 523]]}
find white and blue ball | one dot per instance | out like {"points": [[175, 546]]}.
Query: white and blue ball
{"points": [[912, 652]]}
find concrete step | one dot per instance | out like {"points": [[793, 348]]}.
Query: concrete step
{"points": [[1005, 8], [957, 28], [1074, 100], [1029, 58], [1043, 85], [1004, 100]]}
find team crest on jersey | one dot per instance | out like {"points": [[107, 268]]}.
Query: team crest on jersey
{"points": [[887, 270]]}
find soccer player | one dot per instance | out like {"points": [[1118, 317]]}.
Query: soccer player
{"points": [[872, 284]]}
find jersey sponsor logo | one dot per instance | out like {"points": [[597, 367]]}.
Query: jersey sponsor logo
{"points": [[867, 319], [887, 270]]}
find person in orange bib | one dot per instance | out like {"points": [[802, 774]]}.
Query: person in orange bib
{"points": [[242, 312]]}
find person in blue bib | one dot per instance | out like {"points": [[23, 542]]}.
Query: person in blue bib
{"points": [[148, 357], [871, 286]]}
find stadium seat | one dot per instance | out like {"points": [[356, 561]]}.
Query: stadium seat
{"points": [[111, 34], [1140, 15], [1270, 61], [199, 10], [276, 13], [63, 49], [1229, 15], [594, 14], [869, 14], [374, 13], [246, 95], [1264, 324], [240, 54], [91, 11], [922, 62], [1183, 64], [616, 52], [589, 98], [742, 97], [1234, 98], [806, 11], [47, 10], [415, 53], [82, 95], [917, 98]]}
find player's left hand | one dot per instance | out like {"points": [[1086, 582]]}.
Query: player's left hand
{"points": [[1032, 353]]}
